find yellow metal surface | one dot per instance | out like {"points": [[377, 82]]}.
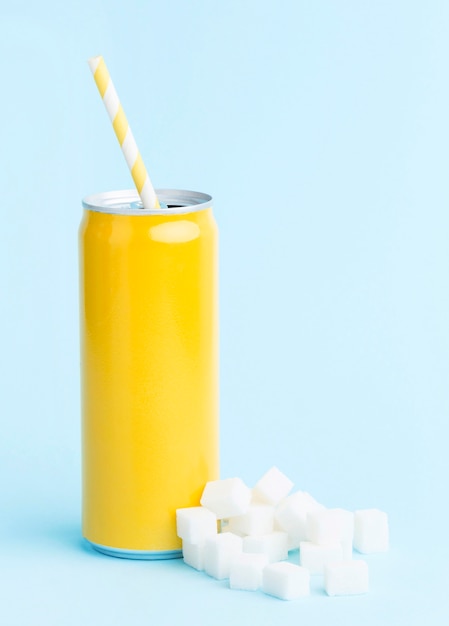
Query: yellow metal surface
{"points": [[149, 346]]}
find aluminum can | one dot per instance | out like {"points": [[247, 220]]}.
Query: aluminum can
{"points": [[149, 367]]}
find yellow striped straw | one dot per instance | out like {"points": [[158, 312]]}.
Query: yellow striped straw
{"points": [[123, 133]]}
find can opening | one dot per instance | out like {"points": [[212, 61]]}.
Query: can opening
{"points": [[128, 202]]}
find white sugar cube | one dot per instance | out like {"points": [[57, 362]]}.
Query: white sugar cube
{"points": [[323, 527], [286, 581], [227, 497], [193, 554], [258, 527], [291, 516], [371, 531], [346, 520], [246, 571], [273, 486], [314, 556], [194, 524], [258, 520], [274, 545], [219, 552], [343, 578]]}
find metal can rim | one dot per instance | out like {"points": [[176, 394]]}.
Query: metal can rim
{"points": [[127, 202]]}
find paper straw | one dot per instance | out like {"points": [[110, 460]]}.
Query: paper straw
{"points": [[123, 132]]}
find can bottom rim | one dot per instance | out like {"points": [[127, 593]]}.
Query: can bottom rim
{"points": [[123, 553]]}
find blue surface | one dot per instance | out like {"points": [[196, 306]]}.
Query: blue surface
{"points": [[322, 130]]}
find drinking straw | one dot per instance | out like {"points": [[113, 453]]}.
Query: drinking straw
{"points": [[123, 132]]}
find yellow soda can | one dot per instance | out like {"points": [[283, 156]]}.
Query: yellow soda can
{"points": [[149, 367]]}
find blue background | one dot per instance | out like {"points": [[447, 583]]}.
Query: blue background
{"points": [[322, 131]]}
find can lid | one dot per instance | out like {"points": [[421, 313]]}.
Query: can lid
{"points": [[128, 202]]}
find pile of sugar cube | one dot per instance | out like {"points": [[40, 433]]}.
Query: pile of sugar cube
{"points": [[246, 534]]}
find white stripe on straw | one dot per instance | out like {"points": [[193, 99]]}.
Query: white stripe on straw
{"points": [[123, 132]]}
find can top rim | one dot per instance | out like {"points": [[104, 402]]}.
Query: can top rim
{"points": [[128, 202]]}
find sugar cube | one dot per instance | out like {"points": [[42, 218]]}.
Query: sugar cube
{"points": [[342, 578], [314, 556], [259, 526], [291, 516], [258, 520], [273, 486], [246, 571], [322, 527], [219, 552], [194, 524], [274, 545], [346, 521], [227, 497], [371, 531], [193, 554], [286, 581]]}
